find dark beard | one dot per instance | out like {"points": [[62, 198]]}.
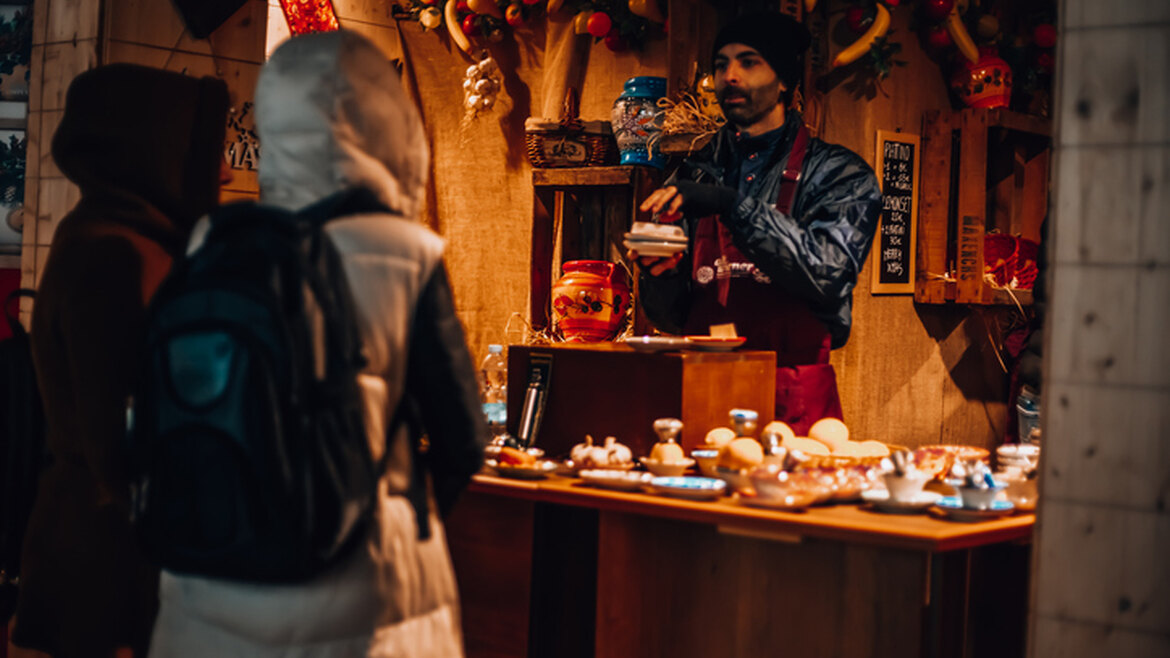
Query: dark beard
{"points": [[760, 101]]}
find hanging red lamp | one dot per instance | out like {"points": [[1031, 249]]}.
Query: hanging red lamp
{"points": [[306, 16]]}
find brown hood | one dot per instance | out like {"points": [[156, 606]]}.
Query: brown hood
{"points": [[145, 132]]}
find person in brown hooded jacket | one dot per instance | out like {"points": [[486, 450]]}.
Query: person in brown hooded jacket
{"points": [[145, 147]]}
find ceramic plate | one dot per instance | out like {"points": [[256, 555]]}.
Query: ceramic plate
{"points": [[953, 507], [655, 249], [650, 237], [792, 501], [713, 344], [656, 343], [537, 471], [620, 480], [880, 499], [694, 488]]}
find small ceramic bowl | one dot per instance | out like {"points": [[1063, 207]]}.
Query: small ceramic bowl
{"points": [[737, 479], [905, 488], [667, 469], [706, 457], [980, 498]]}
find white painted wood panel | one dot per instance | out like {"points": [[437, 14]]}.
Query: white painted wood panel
{"points": [[1090, 320], [1104, 564], [1106, 445], [1114, 12], [1120, 93], [1111, 201], [1056, 638]]}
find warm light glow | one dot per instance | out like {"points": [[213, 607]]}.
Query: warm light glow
{"points": [[307, 16]]}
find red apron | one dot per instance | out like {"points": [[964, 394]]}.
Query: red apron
{"points": [[729, 288]]}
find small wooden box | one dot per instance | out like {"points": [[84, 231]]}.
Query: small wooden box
{"points": [[608, 389]]}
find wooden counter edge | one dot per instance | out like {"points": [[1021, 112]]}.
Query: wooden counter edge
{"points": [[881, 530]]}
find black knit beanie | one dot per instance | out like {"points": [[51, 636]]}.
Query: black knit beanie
{"points": [[779, 38]]}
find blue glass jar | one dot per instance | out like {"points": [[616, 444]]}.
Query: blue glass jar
{"points": [[637, 120]]}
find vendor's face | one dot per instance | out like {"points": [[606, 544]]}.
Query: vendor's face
{"points": [[746, 86]]}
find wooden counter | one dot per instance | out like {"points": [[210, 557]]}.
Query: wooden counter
{"points": [[558, 568], [847, 523]]}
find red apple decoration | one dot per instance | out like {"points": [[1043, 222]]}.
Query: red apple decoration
{"points": [[1044, 35], [939, 38], [599, 24], [462, 6], [470, 26], [938, 9], [615, 42], [1045, 62], [856, 20], [514, 14]]}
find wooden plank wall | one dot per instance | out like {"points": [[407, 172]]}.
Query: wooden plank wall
{"points": [[910, 374], [1101, 573]]}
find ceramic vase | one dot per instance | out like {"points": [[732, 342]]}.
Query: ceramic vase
{"points": [[637, 120], [590, 301], [985, 84]]}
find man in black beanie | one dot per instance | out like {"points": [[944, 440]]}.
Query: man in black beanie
{"points": [[779, 223]]}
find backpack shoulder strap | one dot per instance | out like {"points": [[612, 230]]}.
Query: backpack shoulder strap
{"points": [[790, 179]]}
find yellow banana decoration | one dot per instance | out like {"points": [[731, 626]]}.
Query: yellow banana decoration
{"points": [[451, 18], [647, 9], [485, 7], [809, 5], [961, 36], [554, 5], [881, 24]]}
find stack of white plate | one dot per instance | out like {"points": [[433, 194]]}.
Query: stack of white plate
{"points": [[657, 240]]}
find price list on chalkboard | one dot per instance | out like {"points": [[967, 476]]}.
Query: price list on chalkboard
{"points": [[894, 245]]}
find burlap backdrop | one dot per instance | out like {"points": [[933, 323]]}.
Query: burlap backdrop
{"points": [[480, 191]]}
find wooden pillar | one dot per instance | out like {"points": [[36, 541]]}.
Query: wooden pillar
{"points": [[1103, 530]]}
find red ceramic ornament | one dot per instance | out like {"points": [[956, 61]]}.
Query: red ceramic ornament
{"points": [[590, 301], [985, 84]]}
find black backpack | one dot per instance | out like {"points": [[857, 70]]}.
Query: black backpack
{"points": [[23, 453], [247, 449]]}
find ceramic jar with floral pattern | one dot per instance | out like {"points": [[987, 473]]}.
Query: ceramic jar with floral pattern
{"points": [[590, 301], [985, 84], [636, 120]]}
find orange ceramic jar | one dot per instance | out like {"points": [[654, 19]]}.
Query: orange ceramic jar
{"points": [[590, 301], [985, 84]]}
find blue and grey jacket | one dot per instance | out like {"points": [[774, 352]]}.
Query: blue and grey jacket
{"points": [[816, 253]]}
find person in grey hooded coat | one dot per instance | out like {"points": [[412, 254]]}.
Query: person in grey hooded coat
{"points": [[331, 116]]}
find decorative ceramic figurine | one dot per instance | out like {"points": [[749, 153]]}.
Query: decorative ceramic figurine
{"points": [[590, 301]]}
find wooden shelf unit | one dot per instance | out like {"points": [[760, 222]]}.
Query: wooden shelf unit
{"points": [[982, 171], [582, 213]]}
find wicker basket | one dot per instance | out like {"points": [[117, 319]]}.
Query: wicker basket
{"points": [[842, 461], [569, 141]]}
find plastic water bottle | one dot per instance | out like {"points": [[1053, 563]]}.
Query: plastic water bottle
{"points": [[494, 380]]}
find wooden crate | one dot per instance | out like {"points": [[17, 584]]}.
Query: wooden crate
{"points": [[582, 213], [982, 171]]}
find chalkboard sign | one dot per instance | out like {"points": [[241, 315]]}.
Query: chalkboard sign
{"points": [[895, 244]]}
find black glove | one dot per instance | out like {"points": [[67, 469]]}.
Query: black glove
{"points": [[700, 200]]}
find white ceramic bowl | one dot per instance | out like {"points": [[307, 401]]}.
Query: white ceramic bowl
{"points": [[736, 478], [706, 457], [905, 488], [667, 469], [980, 498]]}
